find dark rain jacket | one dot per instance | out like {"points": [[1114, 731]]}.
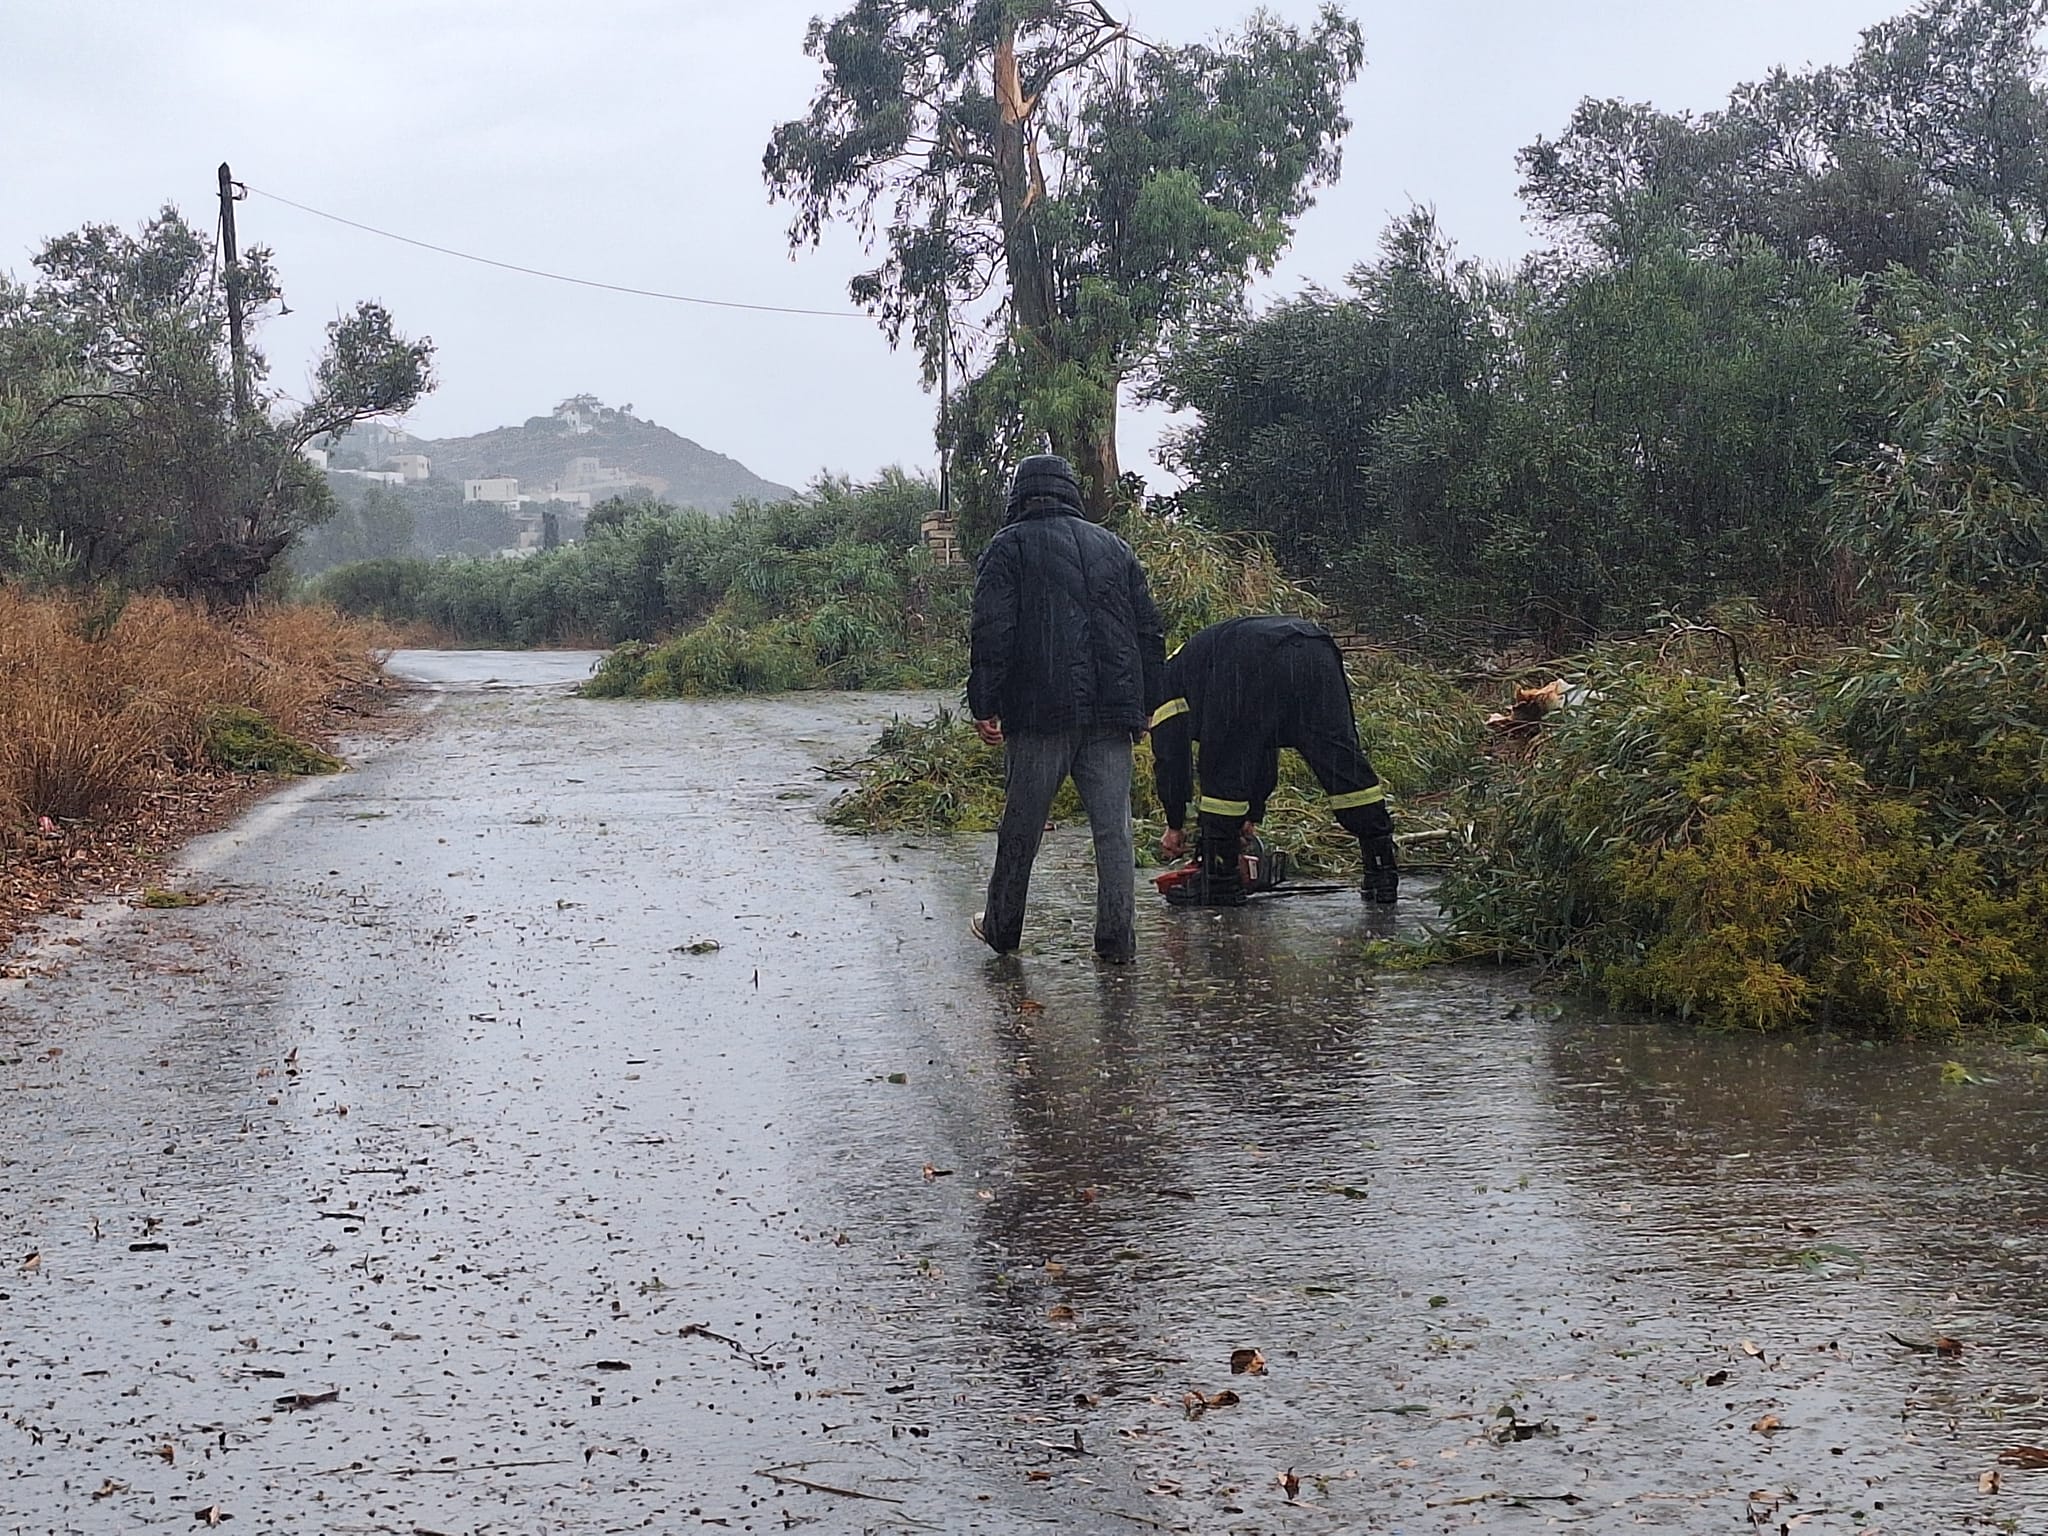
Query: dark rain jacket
{"points": [[1066, 635], [1232, 690]]}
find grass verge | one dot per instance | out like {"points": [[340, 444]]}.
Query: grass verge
{"points": [[124, 726]]}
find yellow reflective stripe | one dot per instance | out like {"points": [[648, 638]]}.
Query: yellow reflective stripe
{"points": [[1358, 797], [1208, 805], [1167, 711]]}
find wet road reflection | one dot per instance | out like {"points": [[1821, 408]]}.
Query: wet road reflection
{"points": [[629, 1152]]}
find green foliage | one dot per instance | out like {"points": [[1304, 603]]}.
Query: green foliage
{"points": [[378, 525], [845, 556], [1462, 460], [832, 589], [1297, 407], [1856, 841], [1950, 704], [119, 434], [715, 657], [1648, 416], [1420, 728], [1939, 116], [40, 562], [1681, 844], [931, 775], [1953, 508], [1076, 192], [1200, 577], [246, 741]]}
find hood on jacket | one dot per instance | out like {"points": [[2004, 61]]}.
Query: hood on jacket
{"points": [[1043, 485]]}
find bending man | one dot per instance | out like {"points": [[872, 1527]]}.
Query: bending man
{"points": [[1067, 654], [1244, 689]]}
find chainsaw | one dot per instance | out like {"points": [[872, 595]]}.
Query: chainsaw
{"points": [[1261, 871]]}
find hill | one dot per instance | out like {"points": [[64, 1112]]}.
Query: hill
{"points": [[581, 446]]}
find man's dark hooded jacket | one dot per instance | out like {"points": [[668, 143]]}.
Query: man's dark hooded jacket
{"points": [[1066, 635]]}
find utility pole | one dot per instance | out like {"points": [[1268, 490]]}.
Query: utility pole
{"points": [[945, 363], [232, 273], [945, 402]]}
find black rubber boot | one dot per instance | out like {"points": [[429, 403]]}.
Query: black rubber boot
{"points": [[1382, 882], [1219, 883]]}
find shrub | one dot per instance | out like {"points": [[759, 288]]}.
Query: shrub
{"points": [[98, 697], [1681, 843], [643, 572]]}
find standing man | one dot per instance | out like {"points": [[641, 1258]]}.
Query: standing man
{"points": [[1244, 689], [1068, 653]]}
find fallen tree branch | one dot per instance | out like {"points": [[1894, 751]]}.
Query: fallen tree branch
{"points": [[805, 1482]]}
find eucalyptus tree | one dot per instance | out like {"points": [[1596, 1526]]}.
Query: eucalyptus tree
{"points": [[1053, 193]]}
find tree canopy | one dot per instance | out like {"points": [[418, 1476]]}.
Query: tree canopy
{"points": [[1054, 193], [121, 450], [1941, 112]]}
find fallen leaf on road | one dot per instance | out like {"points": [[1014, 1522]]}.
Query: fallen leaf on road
{"points": [[2033, 1457], [1941, 1345], [213, 1514], [1767, 1425], [298, 1400], [1290, 1484], [1987, 1482], [108, 1489], [937, 1173], [1751, 1350], [1717, 1378], [33, 1261], [1059, 1314], [1039, 1475], [1195, 1404], [1247, 1362], [1508, 1429], [610, 1365]]}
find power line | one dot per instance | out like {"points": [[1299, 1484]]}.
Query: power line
{"points": [[559, 277]]}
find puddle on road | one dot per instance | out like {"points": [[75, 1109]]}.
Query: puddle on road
{"points": [[435, 1107]]}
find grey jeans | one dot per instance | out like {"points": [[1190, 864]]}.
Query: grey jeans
{"points": [[1034, 766]]}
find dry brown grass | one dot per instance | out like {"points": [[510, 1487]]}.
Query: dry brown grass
{"points": [[92, 713]]}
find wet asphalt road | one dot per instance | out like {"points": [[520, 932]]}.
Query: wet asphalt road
{"points": [[445, 1105]]}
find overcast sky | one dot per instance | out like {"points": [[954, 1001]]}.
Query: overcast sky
{"points": [[621, 140]]}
